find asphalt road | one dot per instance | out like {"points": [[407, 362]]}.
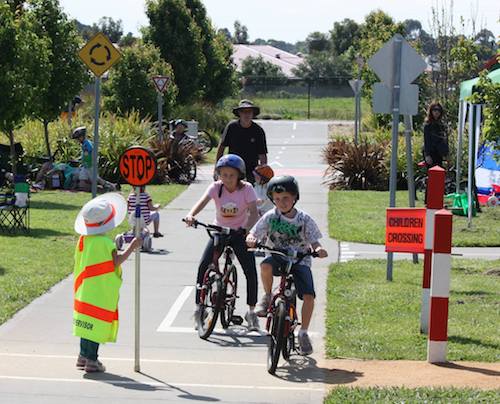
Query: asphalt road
{"points": [[38, 352]]}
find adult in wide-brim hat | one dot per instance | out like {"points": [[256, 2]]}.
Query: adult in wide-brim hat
{"points": [[246, 104], [101, 214]]}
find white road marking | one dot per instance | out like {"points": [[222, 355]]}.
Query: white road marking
{"points": [[283, 147], [293, 136], [146, 382], [237, 332], [174, 310], [294, 125], [277, 157], [110, 359]]}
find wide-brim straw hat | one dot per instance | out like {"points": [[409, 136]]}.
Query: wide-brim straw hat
{"points": [[244, 104], [101, 214]]}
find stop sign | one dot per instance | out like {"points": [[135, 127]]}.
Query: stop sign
{"points": [[138, 166]]}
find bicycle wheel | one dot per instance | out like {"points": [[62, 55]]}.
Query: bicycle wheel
{"points": [[229, 301], [205, 140], [289, 344], [277, 337], [210, 302]]}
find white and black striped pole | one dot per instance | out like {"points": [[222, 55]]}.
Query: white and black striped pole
{"points": [[440, 288], [435, 196]]}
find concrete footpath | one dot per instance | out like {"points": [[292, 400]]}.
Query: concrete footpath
{"points": [[38, 351]]}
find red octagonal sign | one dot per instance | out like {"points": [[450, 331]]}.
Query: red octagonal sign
{"points": [[138, 166]]}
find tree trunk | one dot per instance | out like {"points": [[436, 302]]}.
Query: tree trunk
{"points": [[47, 143], [13, 157]]}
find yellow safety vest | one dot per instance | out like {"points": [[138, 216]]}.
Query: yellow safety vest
{"points": [[96, 287]]}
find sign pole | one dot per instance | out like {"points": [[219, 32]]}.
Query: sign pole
{"points": [[160, 116], [394, 149], [137, 365], [409, 168], [356, 113], [95, 149]]}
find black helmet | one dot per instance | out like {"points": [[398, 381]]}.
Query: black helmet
{"points": [[283, 183], [79, 132]]}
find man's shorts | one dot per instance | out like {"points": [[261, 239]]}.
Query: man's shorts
{"points": [[302, 276]]}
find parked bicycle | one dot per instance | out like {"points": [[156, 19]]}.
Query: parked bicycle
{"points": [[218, 291], [282, 318]]}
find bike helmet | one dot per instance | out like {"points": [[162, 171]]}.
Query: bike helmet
{"points": [[79, 132], [265, 172], [283, 183], [233, 161], [180, 122]]}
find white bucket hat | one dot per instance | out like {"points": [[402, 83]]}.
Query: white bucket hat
{"points": [[101, 214]]}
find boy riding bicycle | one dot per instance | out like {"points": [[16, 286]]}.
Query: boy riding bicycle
{"points": [[236, 207], [287, 227]]}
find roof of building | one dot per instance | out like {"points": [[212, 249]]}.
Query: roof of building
{"points": [[285, 60]]}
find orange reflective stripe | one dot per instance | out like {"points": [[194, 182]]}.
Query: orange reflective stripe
{"points": [[96, 312], [94, 270]]}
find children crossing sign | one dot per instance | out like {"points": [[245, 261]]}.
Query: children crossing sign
{"points": [[138, 166], [405, 230]]}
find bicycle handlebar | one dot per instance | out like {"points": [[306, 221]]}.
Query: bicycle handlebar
{"points": [[298, 255], [213, 227]]}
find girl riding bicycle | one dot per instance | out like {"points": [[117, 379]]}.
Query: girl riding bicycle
{"points": [[287, 227], [236, 207]]}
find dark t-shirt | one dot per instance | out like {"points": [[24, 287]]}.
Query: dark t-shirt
{"points": [[247, 143]]}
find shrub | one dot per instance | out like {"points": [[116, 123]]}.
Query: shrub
{"points": [[353, 166], [209, 118]]}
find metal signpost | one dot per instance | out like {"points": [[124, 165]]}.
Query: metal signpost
{"points": [[397, 65], [99, 55], [161, 83], [138, 168], [356, 86]]}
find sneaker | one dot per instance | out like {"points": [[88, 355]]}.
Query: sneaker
{"points": [[262, 306], [252, 320], [81, 362], [196, 316], [305, 345], [94, 366], [156, 235]]}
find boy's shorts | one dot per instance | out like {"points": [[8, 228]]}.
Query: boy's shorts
{"points": [[302, 276]]}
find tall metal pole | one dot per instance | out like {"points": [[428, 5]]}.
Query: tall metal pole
{"points": [[470, 171], [95, 149], [356, 112], [409, 167], [394, 150], [137, 314], [462, 108], [308, 99], [160, 116]]}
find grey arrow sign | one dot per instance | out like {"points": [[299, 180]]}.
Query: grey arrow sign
{"points": [[356, 85], [412, 64]]}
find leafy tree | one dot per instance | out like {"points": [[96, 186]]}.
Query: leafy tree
{"points": [[259, 70], [127, 40], [240, 33], [487, 47], [344, 35], [24, 66], [323, 65], [130, 86], [66, 73], [175, 32], [226, 33], [113, 29], [317, 42], [219, 79]]}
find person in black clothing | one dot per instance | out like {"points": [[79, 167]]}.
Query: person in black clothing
{"points": [[435, 138], [245, 138]]}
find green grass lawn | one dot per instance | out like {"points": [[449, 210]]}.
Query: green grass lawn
{"points": [[370, 318], [31, 264], [349, 209], [411, 396], [341, 108]]}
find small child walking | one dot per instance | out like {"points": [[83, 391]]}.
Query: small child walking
{"points": [[97, 277]]}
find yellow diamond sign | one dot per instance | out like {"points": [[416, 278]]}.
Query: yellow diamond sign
{"points": [[99, 54]]}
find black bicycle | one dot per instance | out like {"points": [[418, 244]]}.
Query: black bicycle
{"points": [[282, 318], [218, 291]]}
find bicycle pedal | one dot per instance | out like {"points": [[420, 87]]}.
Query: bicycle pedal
{"points": [[237, 320]]}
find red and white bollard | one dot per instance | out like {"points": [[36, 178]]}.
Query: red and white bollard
{"points": [[435, 197], [440, 287]]}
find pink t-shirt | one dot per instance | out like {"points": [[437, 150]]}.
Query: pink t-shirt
{"points": [[231, 209]]}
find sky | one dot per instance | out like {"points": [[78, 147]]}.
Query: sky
{"points": [[292, 20]]}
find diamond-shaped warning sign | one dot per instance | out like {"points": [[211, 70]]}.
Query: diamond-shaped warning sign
{"points": [[161, 82], [99, 54]]}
